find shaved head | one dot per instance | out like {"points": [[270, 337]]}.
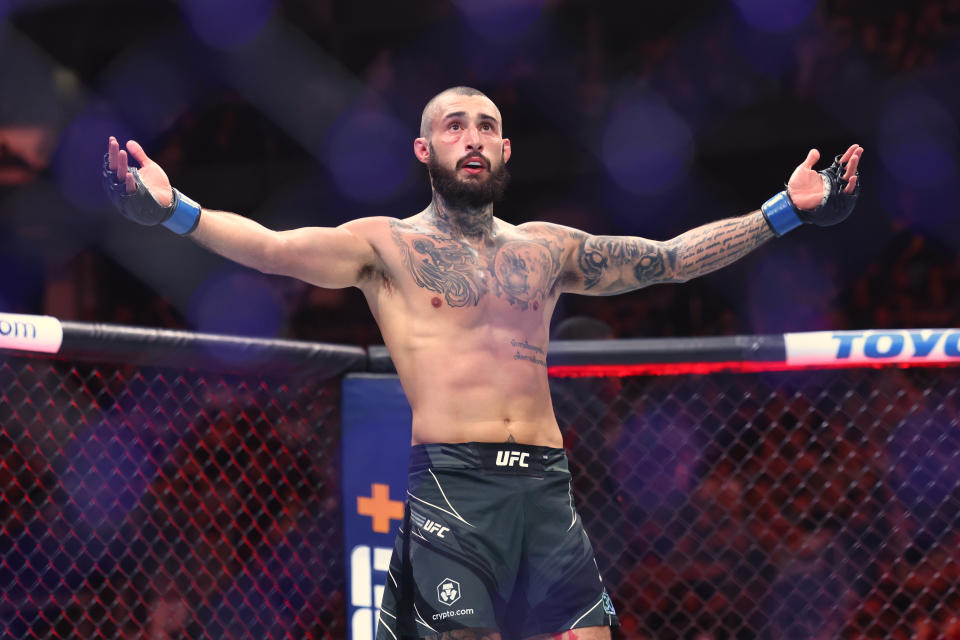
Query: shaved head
{"points": [[429, 111]]}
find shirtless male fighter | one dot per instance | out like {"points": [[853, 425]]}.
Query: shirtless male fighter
{"points": [[463, 300]]}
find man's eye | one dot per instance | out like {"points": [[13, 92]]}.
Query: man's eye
{"points": [[455, 127]]}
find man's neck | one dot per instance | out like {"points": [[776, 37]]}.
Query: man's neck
{"points": [[461, 222]]}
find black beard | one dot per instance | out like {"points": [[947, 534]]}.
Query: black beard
{"points": [[470, 194]]}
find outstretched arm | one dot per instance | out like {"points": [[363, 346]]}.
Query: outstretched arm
{"points": [[326, 257], [607, 265]]}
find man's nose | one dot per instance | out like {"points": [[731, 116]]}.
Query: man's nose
{"points": [[472, 139]]}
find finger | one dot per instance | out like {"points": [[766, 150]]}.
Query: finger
{"points": [[851, 167], [811, 160], [851, 185], [123, 172], [849, 153], [137, 153], [113, 148], [122, 165]]}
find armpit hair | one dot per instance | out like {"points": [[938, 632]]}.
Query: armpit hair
{"points": [[369, 272]]}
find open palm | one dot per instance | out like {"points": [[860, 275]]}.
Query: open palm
{"points": [[806, 187], [151, 174]]}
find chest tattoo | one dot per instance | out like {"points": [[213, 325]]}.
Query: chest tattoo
{"points": [[523, 271]]}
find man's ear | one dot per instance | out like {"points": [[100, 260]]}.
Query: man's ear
{"points": [[506, 150], [421, 149]]}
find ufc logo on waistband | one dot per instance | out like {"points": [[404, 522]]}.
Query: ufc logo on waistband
{"points": [[511, 458]]}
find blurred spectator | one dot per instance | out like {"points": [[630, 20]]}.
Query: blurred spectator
{"points": [[906, 285]]}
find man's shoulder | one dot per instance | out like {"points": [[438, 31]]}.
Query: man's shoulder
{"points": [[374, 226], [547, 231]]}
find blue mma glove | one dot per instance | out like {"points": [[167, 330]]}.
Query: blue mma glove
{"points": [[182, 216], [783, 216]]}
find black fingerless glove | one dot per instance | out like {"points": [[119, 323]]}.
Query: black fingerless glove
{"points": [[783, 215], [182, 216]]}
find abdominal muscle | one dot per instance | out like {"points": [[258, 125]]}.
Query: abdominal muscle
{"points": [[477, 390]]}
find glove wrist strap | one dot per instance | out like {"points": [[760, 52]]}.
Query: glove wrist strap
{"points": [[185, 216], [780, 214]]}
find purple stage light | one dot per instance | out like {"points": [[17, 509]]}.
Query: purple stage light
{"points": [[655, 456], [226, 24], [917, 140], [774, 17], [647, 147], [370, 154], [501, 21], [789, 291], [926, 460], [235, 302], [149, 90], [109, 469], [79, 158]]}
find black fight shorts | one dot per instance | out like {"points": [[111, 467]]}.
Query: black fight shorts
{"points": [[491, 539]]}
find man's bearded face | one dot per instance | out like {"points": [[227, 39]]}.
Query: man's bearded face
{"points": [[462, 190]]}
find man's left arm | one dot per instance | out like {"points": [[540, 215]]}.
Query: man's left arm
{"points": [[608, 265]]}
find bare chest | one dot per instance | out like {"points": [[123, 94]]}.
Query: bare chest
{"points": [[511, 272]]}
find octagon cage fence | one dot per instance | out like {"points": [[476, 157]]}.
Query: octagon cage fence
{"points": [[164, 484]]}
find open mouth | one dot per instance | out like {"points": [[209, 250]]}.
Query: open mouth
{"points": [[474, 165]]}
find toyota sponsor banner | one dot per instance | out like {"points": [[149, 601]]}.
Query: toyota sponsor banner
{"points": [[375, 426], [30, 333], [874, 346]]}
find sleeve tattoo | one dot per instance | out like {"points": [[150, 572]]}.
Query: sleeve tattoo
{"points": [[607, 265]]}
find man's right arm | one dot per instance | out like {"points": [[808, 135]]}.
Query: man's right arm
{"points": [[333, 258], [326, 257]]}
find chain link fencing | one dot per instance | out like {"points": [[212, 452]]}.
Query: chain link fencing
{"points": [[141, 502], [161, 502], [804, 504]]}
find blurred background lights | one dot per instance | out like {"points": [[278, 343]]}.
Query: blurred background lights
{"points": [[768, 16], [79, 157], [370, 155], [646, 147], [501, 21], [926, 461], [226, 24], [917, 140], [149, 90], [236, 302], [789, 289], [107, 474]]}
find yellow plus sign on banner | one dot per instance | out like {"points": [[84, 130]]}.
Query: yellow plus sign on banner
{"points": [[380, 507]]}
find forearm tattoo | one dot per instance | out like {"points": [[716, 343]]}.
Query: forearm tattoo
{"points": [[610, 264], [718, 244]]}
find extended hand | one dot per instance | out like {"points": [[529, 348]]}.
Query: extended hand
{"points": [[822, 198], [152, 176], [144, 195], [806, 186]]}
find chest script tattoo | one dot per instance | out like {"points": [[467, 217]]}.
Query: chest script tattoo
{"points": [[520, 271]]}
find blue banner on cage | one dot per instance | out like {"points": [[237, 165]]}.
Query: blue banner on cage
{"points": [[375, 445]]}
